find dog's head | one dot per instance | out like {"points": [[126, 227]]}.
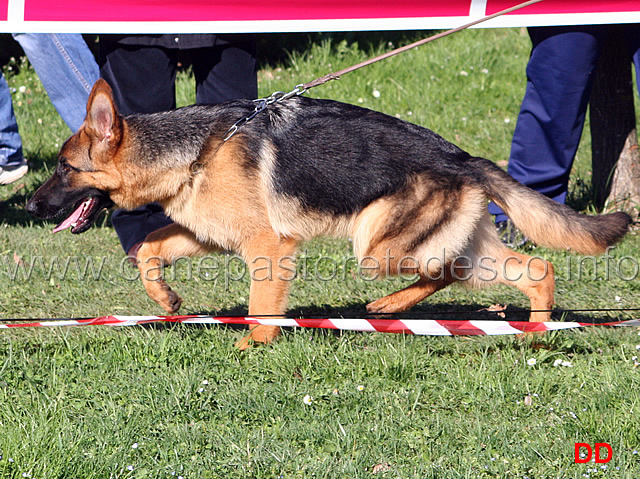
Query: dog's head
{"points": [[86, 174]]}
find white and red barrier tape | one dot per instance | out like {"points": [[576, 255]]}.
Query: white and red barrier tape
{"points": [[424, 327]]}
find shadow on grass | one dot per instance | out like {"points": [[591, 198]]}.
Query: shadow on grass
{"points": [[553, 341], [14, 197], [452, 312]]}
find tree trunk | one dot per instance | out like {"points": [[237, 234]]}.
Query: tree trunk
{"points": [[615, 154]]}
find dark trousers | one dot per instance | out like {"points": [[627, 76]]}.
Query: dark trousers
{"points": [[143, 81], [559, 80]]}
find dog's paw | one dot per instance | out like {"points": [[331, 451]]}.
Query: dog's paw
{"points": [[244, 343], [171, 303], [259, 334], [380, 306]]}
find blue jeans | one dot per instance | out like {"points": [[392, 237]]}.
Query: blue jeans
{"points": [[67, 69], [10, 142]]}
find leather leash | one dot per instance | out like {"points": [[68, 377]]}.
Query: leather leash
{"points": [[336, 75], [279, 96]]}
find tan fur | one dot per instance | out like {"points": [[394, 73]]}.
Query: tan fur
{"points": [[535, 222], [231, 214], [374, 236], [442, 234], [533, 276], [161, 248], [552, 224]]}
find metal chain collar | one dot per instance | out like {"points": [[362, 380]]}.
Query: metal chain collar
{"points": [[261, 104]]}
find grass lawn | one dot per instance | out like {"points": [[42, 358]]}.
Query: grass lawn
{"points": [[180, 401]]}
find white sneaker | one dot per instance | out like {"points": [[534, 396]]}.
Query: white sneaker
{"points": [[9, 174]]}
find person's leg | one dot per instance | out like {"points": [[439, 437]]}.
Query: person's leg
{"points": [[10, 141], [143, 81], [142, 77], [133, 226], [226, 72], [551, 119], [67, 69], [12, 164]]}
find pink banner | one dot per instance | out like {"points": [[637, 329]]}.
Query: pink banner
{"points": [[238, 10], [236, 16], [556, 7]]}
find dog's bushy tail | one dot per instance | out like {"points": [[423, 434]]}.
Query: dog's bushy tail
{"points": [[547, 222]]}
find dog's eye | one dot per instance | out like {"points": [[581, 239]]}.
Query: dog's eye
{"points": [[65, 167]]}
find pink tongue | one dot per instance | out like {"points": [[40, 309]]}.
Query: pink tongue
{"points": [[71, 219]]}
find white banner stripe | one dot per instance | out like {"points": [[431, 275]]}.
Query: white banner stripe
{"points": [[63, 323], [353, 324], [204, 320], [16, 23], [495, 327], [561, 325], [631, 322], [428, 327], [283, 322], [138, 318], [478, 8]]}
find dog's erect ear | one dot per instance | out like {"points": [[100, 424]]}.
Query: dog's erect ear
{"points": [[102, 115]]}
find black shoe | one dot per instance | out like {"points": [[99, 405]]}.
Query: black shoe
{"points": [[510, 235]]}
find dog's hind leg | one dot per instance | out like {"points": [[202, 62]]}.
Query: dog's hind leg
{"points": [[533, 276], [495, 263], [408, 297], [271, 262], [160, 248], [418, 232]]}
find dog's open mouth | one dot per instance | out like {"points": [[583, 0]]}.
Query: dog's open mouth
{"points": [[84, 215]]}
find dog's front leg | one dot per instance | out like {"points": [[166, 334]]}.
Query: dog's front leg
{"points": [[160, 248], [271, 261]]}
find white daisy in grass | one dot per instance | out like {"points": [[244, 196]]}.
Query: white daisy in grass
{"points": [[308, 400], [532, 361], [563, 363]]}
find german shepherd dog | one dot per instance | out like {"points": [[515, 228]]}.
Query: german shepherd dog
{"points": [[304, 168]]}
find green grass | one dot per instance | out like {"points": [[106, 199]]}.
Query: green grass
{"points": [[75, 401]]}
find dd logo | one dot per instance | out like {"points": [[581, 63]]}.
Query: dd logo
{"points": [[590, 452]]}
